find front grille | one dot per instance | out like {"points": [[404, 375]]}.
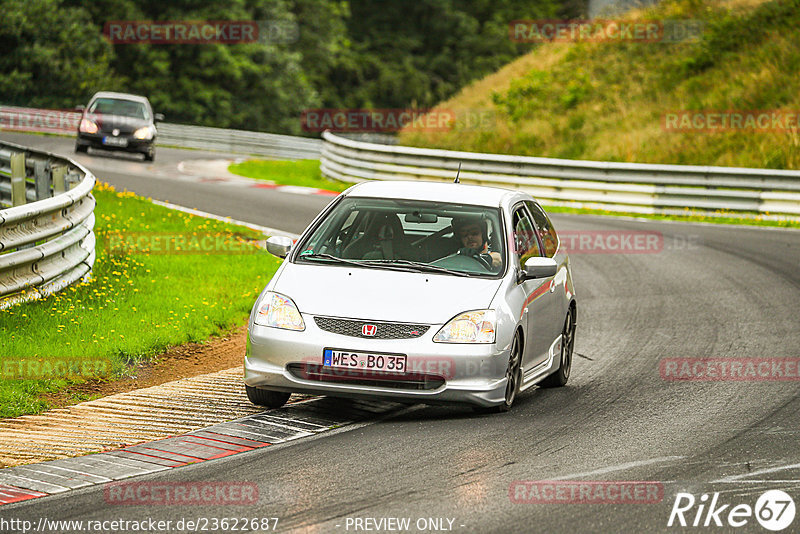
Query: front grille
{"points": [[353, 328], [123, 130], [363, 377]]}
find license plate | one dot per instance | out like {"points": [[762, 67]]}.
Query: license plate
{"points": [[115, 141], [345, 359]]}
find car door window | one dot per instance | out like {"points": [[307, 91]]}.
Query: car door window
{"points": [[525, 243], [547, 233]]}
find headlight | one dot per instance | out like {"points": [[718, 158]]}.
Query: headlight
{"points": [[470, 327], [146, 132], [278, 311], [87, 126]]}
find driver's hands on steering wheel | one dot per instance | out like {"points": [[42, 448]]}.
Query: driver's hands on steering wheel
{"points": [[483, 257]]}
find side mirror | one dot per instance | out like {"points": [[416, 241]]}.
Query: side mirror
{"points": [[538, 267], [279, 245], [80, 108], [158, 117]]}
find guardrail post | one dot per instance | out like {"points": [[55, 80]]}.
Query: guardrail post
{"points": [[59, 183], [17, 179], [41, 173], [72, 179]]}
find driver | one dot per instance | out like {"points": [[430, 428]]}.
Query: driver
{"points": [[472, 233]]}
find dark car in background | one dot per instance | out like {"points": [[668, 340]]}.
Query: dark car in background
{"points": [[118, 121]]}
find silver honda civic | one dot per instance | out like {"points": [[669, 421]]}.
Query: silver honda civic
{"points": [[420, 292]]}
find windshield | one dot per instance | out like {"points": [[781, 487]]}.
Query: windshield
{"points": [[427, 236], [118, 107]]}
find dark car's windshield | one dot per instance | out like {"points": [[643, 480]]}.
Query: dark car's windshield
{"points": [[119, 107], [431, 236]]}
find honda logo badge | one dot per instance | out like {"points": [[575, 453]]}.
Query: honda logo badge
{"points": [[369, 330]]}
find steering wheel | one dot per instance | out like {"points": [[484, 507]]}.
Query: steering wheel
{"points": [[462, 262], [483, 259]]}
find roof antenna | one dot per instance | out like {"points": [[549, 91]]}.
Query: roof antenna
{"points": [[456, 181]]}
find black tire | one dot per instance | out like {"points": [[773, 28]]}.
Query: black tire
{"points": [[83, 149], [265, 397], [513, 376], [150, 155], [560, 377]]}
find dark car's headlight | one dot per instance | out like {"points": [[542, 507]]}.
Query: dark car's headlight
{"points": [[145, 132], [87, 126], [476, 326]]}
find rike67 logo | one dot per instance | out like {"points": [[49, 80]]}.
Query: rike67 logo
{"points": [[774, 510]]}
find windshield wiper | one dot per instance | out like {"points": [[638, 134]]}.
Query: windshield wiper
{"points": [[422, 266], [357, 263]]}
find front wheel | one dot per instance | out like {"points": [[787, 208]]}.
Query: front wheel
{"points": [[513, 379], [560, 377], [265, 397]]}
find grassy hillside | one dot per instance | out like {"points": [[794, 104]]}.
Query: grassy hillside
{"points": [[607, 101]]}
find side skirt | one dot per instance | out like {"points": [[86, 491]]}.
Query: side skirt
{"points": [[536, 374]]}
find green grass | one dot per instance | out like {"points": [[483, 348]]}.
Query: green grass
{"points": [[719, 218], [607, 101], [136, 304], [303, 172]]}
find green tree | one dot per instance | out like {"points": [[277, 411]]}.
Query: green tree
{"points": [[52, 55]]}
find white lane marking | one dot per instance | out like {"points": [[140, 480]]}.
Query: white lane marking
{"points": [[298, 190], [92, 475], [621, 467], [23, 482], [263, 229], [764, 481], [738, 478]]}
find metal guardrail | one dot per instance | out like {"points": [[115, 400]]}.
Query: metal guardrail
{"points": [[46, 238], [65, 122], [631, 187], [238, 141]]}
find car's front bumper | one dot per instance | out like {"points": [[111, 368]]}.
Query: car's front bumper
{"points": [[285, 360], [133, 144]]}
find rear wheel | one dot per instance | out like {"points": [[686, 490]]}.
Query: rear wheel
{"points": [[265, 397], [560, 377], [81, 148]]}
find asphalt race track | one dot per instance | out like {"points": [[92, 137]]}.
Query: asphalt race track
{"points": [[163, 180], [704, 291]]}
